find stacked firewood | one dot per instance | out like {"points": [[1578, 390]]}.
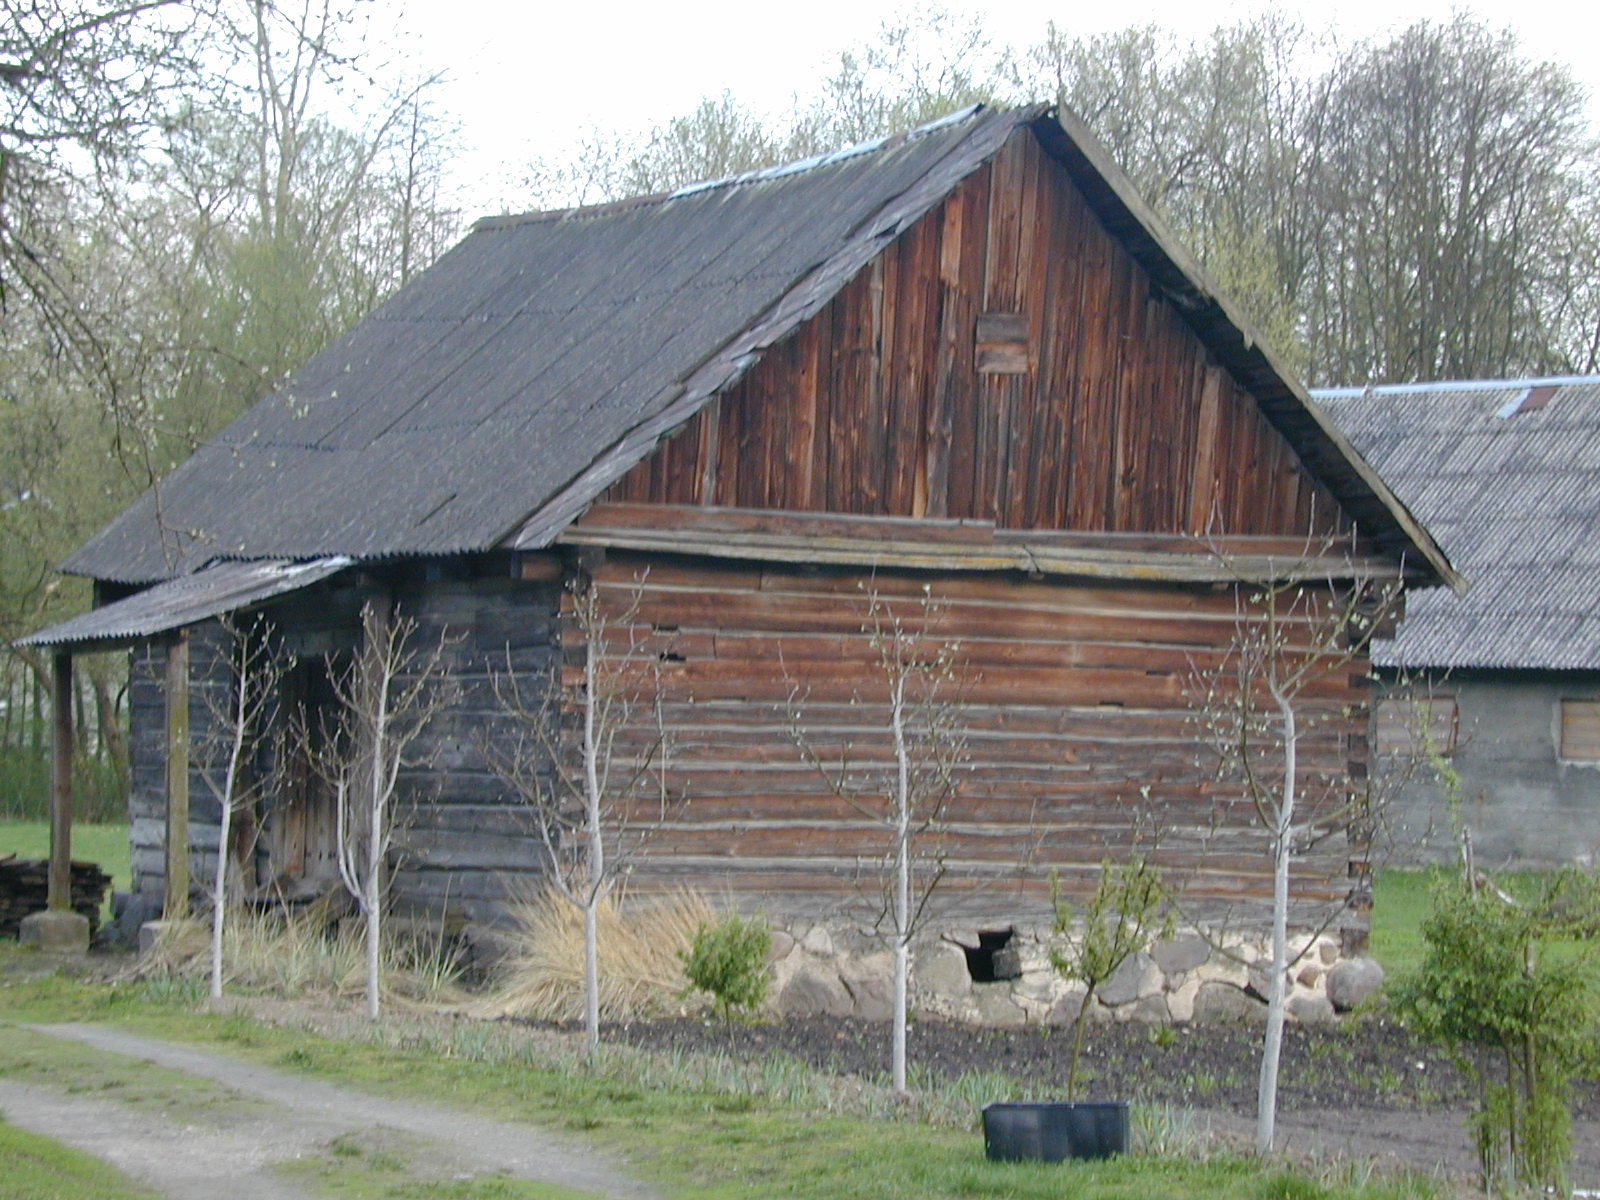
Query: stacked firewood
{"points": [[25, 886]]}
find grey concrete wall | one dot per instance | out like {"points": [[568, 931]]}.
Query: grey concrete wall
{"points": [[1523, 805]]}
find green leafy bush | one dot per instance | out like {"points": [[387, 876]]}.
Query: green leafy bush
{"points": [[1130, 909], [1500, 974], [728, 961]]}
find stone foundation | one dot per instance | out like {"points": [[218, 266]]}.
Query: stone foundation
{"points": [[823, 971]]}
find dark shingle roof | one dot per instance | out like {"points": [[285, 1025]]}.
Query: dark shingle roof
{"points": [[477, 395], [491, 400], [1512, 491]]}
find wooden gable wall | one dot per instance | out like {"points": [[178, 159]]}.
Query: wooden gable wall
{"points": [[1008, 361]]}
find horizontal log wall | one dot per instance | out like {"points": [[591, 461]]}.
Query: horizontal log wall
{"points": [[465, 843], [1005, 360], [1077, 718]]}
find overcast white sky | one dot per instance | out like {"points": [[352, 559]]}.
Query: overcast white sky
{"points": [[525, 79]]}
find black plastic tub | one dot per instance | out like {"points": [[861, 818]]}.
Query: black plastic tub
{"points": [[1053, 1130]]}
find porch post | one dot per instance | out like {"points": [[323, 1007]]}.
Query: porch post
{"points": [[60, 880], [57, 928], [177, 895]]}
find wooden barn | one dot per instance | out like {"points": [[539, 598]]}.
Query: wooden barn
{"points": [[965, 363]]}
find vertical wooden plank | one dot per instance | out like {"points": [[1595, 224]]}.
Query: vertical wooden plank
{"points": [[1070, 393], [59, 884], [934, 469], [800, 432], [1203, 469], [965, 298], [1053, 454], [848, 385], [1028, 298], [871, 436], [710, 420], [1094, 405], [1000, 393], [906, 361], [177, 894], [825, 368], [1117, 330], [727, 452]]}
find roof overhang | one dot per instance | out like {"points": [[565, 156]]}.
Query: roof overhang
{"points": [[225, 587], [946, 545]]}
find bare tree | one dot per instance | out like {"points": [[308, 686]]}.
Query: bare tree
{"points": [[1276, 693], [388, 694], [907, 792], [598, 796], [238, 715]]}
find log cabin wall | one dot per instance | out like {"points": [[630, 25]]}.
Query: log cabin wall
{"points": [[467, 846], [464, 846], [1005, 360], [209, 675], [1078, 719]]}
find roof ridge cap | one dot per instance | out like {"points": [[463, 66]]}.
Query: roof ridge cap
{"points": [[757, 175], [1451, 385]]}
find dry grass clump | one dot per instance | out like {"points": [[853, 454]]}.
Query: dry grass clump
{"points": [[641, 973], [302, 952]]}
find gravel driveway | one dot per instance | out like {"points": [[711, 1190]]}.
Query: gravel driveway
{"points": [[301, 1117]]}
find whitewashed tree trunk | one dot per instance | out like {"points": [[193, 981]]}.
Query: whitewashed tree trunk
{"points": [[596, 851], [219, 902], [240, 717], [1282, 832], [902, 879]]}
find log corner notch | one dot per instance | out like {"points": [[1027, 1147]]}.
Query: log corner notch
{"points": [[58, 929]]}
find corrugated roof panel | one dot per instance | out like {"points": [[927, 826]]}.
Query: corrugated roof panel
{"points": [[220, 588], [1515, 500]]}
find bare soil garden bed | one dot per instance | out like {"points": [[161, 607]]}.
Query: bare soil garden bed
{"points": [[1364, 1087]]}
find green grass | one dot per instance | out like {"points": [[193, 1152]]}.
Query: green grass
{"points": [[1401, 901], [37, 1168], [722, 1131]]}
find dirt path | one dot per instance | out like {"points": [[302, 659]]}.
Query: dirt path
{"points": [[187, 1162]]}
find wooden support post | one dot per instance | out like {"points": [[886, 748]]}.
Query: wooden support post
{"points": [[177, 897], [60, 881]]}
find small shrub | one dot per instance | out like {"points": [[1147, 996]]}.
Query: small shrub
{"points": [[728, 961], [1494, 976], [1128, 911]]}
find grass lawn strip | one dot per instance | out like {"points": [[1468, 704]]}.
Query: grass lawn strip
{"points": [[34, 1167], [679, 1127]]}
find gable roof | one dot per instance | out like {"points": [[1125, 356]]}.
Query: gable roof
{"points": [[495, 397], [1507, 475]]}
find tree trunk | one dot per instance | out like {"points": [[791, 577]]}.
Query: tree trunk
{"points": [[902, 882], [112, 735], [596, 848], [1267, 1092], [219, 901], [373, 905], [591, 976]]}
